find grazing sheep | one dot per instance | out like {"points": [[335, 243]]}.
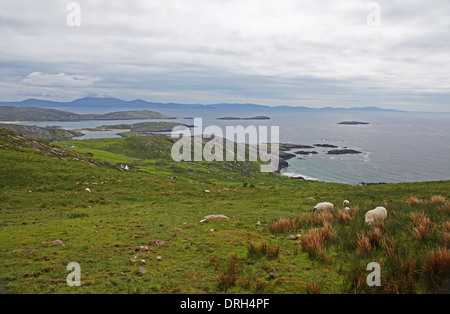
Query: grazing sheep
{"points": [[374, 215], [345, 203], [347, 209], [88, 190], [323, 207]]}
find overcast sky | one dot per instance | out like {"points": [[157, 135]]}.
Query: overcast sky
{"points": [[311, 53]]}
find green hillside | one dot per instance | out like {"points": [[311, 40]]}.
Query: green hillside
{"points": [[142, 231], [8, 113], [46, 133]]}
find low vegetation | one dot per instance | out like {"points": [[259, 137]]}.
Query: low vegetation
{"points": [[141, 230]]}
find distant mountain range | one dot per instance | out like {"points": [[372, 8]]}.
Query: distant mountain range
{"points": [[118, 104]]}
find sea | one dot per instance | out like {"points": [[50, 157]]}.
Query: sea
{"points": [[395, 146]]}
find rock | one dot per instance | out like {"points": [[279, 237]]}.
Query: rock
{"points": [[58, 151], [158, 243], [142, 270], [216, 217], [212, 229], [159, 258], [207, 191], [58, 243]]}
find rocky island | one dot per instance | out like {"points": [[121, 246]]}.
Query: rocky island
{"points": [[252, 118], [343, 152], [352, 122]]}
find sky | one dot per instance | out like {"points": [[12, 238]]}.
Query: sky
{"points": [[314, 53]]}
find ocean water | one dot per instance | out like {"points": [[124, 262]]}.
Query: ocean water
{"points": [[395, 146]]}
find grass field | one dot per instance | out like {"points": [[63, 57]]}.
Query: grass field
{"points": [[141, 230]]}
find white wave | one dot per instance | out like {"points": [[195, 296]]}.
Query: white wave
{"points": [[297, 175]]}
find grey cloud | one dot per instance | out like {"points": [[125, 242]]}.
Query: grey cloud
{"points": [[212, 50]]}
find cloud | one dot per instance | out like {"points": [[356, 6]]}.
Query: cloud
{"points": [[215, 50], [59, 80]]}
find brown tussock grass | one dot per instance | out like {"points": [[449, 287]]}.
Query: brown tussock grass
{"points": [[363, 245], [403, 278], [230, 274], [273, 252], [313, 241], [438, 200], [413, 201], [285, 225], [313, 288], [263, 249], [389, 246], [343, 217], [446, 226], [422, 226], [437, 266], [446, 239]]}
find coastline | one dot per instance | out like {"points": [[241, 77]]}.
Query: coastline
{"points": [[294, 175], [11, 122], [117, 131]]}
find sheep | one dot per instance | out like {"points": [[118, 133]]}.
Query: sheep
{"points": [[347, 209], [323, 207], [88, 190], [374, 215], [345, 203]]}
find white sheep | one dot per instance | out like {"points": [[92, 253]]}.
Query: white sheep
{"points": [[374, 215], [88, 190], [323, 207], [345, 203], [347, 210]]}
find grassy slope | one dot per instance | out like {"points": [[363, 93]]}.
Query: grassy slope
{"points": [[8, 113], [42, 199], [45, 133]]}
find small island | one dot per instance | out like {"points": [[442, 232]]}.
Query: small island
{"points": [[343, 152], [294, 146], [303, 152], [142, 128], [326, 145], [252, 118], [352, 122]]}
